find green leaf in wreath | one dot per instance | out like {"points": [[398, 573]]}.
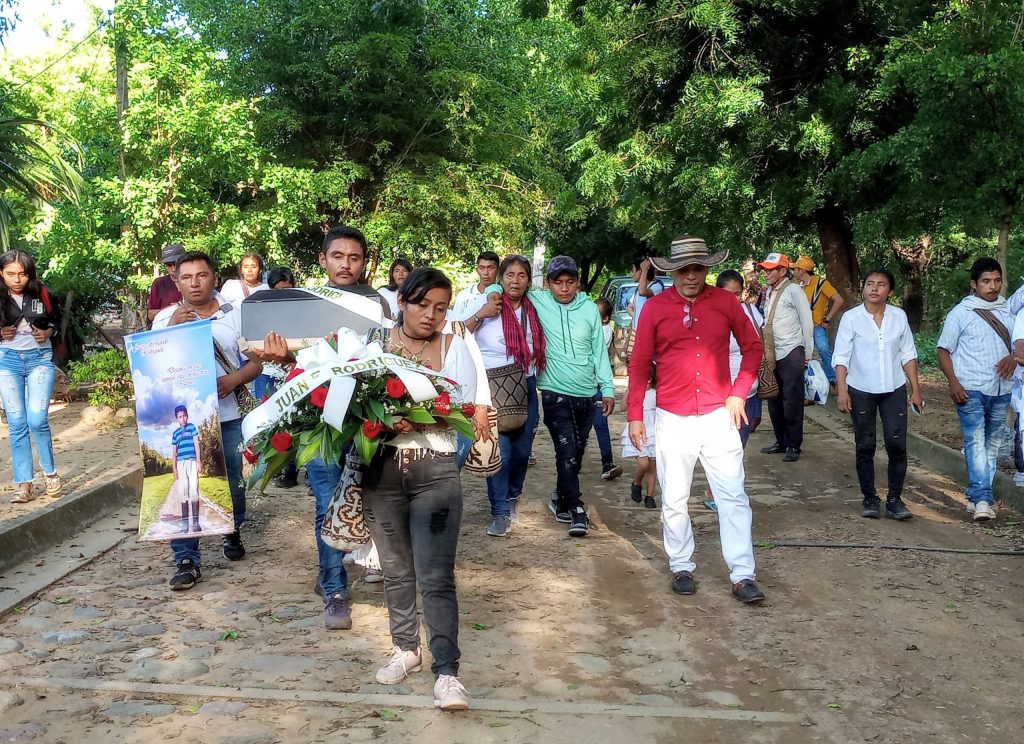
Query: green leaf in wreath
{"points": [[275, 464], [419, 415], [309, 451], [376, 409]]}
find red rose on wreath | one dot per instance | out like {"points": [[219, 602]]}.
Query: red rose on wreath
{"points": [[443, 404], [395, 387], [468, 409], [282, 441], [296, 371], [318, 397], [250, 456], [372, 429]]}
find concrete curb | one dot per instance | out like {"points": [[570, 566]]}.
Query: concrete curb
{"points": [[938, 457], [34, 533]]}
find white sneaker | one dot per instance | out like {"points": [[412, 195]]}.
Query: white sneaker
{"points": [[970, 507], [1018, 480], [449, 694], [373, 576], [399, 666], [983, 511]]}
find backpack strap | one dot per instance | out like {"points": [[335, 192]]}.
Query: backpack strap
{"points": [[816, 292], [996, 325]]}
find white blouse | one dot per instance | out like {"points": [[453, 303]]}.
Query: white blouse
{"points": [[490, 337], [234, 292], [873, 356], [458, 365], [391, 295]]}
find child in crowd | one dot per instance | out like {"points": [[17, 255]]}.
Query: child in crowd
{"points": [[185, 462], [646, 467]]}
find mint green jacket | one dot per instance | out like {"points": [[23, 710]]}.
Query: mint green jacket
{"points": [[577, 358]]}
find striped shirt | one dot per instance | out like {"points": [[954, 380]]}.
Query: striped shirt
{"points": [[975, 347], [185, 440]]}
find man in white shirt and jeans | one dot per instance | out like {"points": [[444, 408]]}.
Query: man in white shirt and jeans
{"points": [[975, 355], [793, 330]]}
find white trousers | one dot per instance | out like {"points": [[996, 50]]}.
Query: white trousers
{"points": [[680, 441], [188, 474]]}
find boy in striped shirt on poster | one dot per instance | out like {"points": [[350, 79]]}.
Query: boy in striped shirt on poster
{"points": [[185, 462]]}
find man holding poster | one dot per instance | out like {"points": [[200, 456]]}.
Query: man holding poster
{"points": [[196, 282]]}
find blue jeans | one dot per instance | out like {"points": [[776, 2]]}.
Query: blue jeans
{"points": [[515, 448], [231, 437], [604, 438], [463, 445], [825, 352], [568, 420], [753, 409], [26, 383], [982, 419], [263, 385], [323, 479]]}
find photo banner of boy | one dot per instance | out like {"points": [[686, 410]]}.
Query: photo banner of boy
{"points": [[185, 486]]}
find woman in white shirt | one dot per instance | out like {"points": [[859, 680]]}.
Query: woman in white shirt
{"points": [[397, 275], [875, 358], [250, 269], [508, 332], [412, 498]]}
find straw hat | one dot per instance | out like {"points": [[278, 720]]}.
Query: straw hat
{"points": [[687, 251]]}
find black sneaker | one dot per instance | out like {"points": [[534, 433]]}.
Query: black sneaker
{"points": [[792, 455], [579, 523], [870, 509], [896, 509], [610, 471], [683, 583], [636, 492], [650, 503], [286, 480], [562, 515], [186, 575], [233, 548]]}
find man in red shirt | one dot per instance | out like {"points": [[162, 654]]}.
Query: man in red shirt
{"points": [[686, 329], [163, 292]]}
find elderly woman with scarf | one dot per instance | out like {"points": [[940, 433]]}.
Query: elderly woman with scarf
{"points": [[508, 332]]}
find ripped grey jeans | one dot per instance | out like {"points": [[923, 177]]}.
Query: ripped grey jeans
{"points": [[414, 511]]}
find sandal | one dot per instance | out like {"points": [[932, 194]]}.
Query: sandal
{"points": [[23, 495], [53, 485]]}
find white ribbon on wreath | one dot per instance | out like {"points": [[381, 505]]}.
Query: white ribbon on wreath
{"points": [[321, 363]]}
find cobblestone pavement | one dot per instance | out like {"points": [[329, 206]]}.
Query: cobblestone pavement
{"points": [[564, 640]]}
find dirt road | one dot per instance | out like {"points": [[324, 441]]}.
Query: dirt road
{"points": [[563, 640]]}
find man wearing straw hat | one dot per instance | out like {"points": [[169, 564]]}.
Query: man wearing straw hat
{"points": [[687, 328]]}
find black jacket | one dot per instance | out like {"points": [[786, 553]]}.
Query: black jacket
{"points": [[33, 310]]}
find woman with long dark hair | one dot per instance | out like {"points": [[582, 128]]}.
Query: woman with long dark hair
{"points": [[29, 319], [508, 332], [397, 275], [412, 498], [250, 273]]}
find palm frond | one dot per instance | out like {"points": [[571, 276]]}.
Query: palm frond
{"points": [[32, 165]]}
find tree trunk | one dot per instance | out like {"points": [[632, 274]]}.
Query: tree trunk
{"points": [[841, 265], [539, 249], [914, 262], [1002, 245]]}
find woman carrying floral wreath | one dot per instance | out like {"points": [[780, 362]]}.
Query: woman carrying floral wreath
{"points": [[412, 497]]}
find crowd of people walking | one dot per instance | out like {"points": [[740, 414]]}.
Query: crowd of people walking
{"points": [[702, 359]]}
